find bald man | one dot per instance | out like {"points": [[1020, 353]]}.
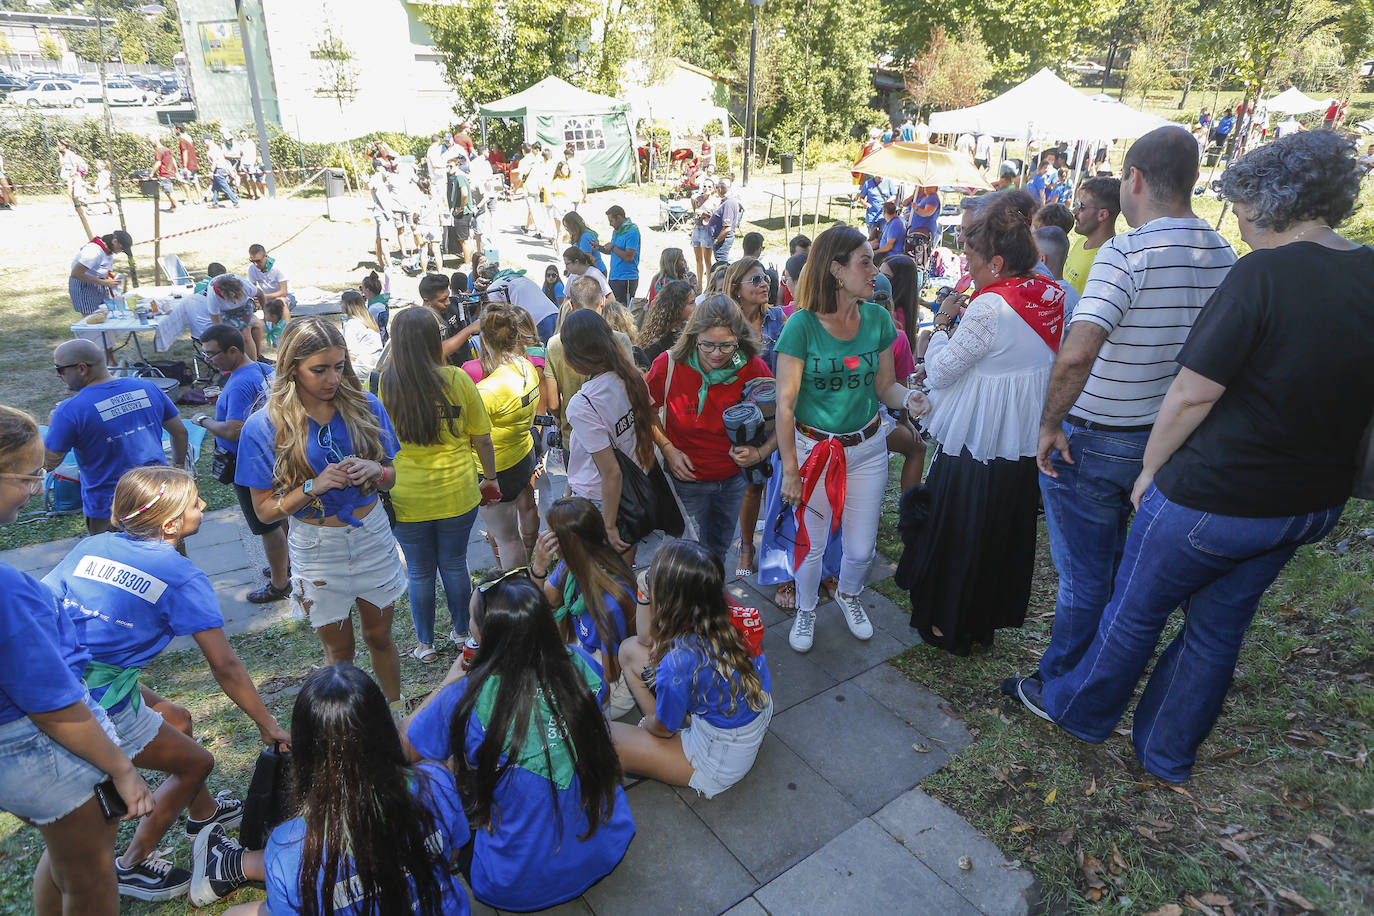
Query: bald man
{"points": [[113, 424]]}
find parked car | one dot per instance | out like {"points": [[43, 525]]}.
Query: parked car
{"points": [[1087, 68], [9, 83], [49, 94], [121, 91]]}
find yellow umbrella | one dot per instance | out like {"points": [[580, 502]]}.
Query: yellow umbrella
{"points": [[925, 165]]}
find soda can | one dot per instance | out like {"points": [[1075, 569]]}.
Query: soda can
{"points": [[469, 652]]}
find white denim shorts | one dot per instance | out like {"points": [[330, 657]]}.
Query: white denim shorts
{"points": [[333, 567], [721, 757]]}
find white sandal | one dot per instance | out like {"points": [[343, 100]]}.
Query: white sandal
{"points": [[423, 653]]}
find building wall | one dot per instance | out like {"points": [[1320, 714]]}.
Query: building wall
{"points": [[399, 82], [26, 51]]}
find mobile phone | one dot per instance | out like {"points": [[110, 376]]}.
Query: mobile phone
{"points": [[111, 804]]}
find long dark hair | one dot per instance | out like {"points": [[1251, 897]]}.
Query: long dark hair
{"points": [[597, 567], [576, 225], [352, 785], [412, 382], [521, 647], [817, 288], [904, 291], [590, 348]]}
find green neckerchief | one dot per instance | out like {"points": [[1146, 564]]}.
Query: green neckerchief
{"points": [[545, 752], [626, 225], [122, 683], [268, 266], [383, 298], [202, 285], [725, 375], [573, 602], [507, 272]]}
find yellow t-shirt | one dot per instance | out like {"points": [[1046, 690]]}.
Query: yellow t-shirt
{"points": [[1079, 263], [511, 394], [439, 481]]}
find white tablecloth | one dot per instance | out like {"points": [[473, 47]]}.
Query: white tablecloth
{"points": [[164, 328]]}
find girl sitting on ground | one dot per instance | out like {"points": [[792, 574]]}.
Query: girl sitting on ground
{"points": [[589, 584], [365, 818], [131, 593], [532, 753], [704, 693], [361, 334]]}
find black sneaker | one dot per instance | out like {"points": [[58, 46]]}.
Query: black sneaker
{"points": [[267, 571], [269, 593], [1028, 692], [155, 878], [216, 866], [229, 813]]}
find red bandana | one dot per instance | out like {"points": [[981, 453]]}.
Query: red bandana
{"points": [[101, 244], [1039, 302]]}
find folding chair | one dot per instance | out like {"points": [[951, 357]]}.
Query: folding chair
{"points": [[171, 268], [673, 213]]}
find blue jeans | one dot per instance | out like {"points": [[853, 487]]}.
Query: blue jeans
{"points": [[714, 506], [1087, 508], [722, 250], [1216, 567], [220, 182], [440, 545]]}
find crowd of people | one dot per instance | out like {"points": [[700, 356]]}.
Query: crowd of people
{"points": [[759, 395]]}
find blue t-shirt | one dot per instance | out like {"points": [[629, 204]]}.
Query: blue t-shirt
{"points": [[585, 624], [435, 787], [112, 426], [244, 393], [626, 237], [587, 242], [1038, 186], [894, 232], [908, 133], [533, 858], [874, 195], [1063, 190], [770, 329], [685, 683], [258, 448], [130, 597], [41, 656], [925, 211]]}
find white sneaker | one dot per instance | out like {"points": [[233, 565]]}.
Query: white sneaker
{"points": [[619, 699], [803, 628], [855, 616]]}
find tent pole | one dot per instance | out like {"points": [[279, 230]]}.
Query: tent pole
{"points": [[484, 131]]}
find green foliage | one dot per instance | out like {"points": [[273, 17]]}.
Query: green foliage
{"points": [[338, 73], [49, 47], [952, 70], [1356, 31]]}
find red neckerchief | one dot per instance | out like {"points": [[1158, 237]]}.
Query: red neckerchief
{"points": [[827, 458], [1039, 302], [102, 245]]}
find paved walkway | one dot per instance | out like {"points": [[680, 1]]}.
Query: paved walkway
{"points": [[830, 819]]}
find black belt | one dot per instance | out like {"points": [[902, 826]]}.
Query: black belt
{"points": [[1103, 427], [845, 439]]}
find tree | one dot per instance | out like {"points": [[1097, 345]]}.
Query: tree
{"points": [[49, 47], [6, 49], [338, 73], [952, 71], [1152, 60]]}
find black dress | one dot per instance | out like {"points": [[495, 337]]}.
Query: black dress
{"points": [[969, 536]]}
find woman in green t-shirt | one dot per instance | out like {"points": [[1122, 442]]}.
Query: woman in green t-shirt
{"points": [[834, 372]]}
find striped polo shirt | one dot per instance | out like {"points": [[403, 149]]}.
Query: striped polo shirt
{"points": [[1145, 289]]}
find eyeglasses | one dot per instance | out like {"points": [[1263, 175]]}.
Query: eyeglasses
{"points": [[61, 369], [33, 481], [726, 348], [211, 354], [757, 280]]}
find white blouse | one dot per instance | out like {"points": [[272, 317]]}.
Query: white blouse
{"points": [[364, 347], [988, 383]]}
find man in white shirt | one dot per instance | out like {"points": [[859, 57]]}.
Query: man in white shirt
{"points": [[250, 165], [982, 151], [267, 275], [436, 161], [528, 172], [964, 145], [537, 189], [1144, 291], [221, 171], [482, 179], [579, 182], [385, 212]]}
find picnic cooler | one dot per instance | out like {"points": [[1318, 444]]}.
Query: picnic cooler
{"points": [[62, 491]]}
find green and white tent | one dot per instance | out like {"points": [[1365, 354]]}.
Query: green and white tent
{"points": [[557, 113]]}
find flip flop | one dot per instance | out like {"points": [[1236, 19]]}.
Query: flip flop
{"points": [[742, 567], [425, 654], [786, 596]]}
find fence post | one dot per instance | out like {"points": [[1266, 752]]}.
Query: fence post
{"points": [[157, 226]]}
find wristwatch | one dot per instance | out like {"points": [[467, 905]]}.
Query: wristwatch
{"points": [[308, 488]]}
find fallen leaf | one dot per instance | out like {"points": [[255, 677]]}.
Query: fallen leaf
{"points": [[1224, 755], [1322, 841], [1234, 849], [1212, 898], [944, 708], [1006, 719], [1295, 898], [1067, 836], [1021, 828], [1198, 905], [1169, 909], [1118, 864], [1245, 836], [1049, 799], [1230, 830], [1344, 810], [1161, 826], [1147, 833], [1362, 757], [1091, 790], [1305, 737], [965, 863]]}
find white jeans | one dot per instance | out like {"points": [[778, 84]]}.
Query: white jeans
{"points": [[865, 482]]}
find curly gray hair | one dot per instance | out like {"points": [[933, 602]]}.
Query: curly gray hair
{"points": [[1308, 175]]}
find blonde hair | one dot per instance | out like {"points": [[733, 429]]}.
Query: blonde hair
{"points": [[147, 498], [17, 431], [355, 306], [620, 319], [500, 336], [302, 339]]}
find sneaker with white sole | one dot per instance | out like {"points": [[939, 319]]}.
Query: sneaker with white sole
{"points": [[619, 699], [153, 879], [855, 617], [803, 630], [216, 866], [228, 813]]}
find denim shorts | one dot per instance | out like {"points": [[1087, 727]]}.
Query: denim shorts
{"points": [[721, 757], [136, 727], [40, 780], [332, 567]]}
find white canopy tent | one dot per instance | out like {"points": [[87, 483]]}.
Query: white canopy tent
{"points": [[1047, 108], [1294, 101]]}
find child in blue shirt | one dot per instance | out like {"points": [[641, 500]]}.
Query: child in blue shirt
{"points": [[351, 781], [550, 815], [704, 690], [54, 746], [131, 593]]}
